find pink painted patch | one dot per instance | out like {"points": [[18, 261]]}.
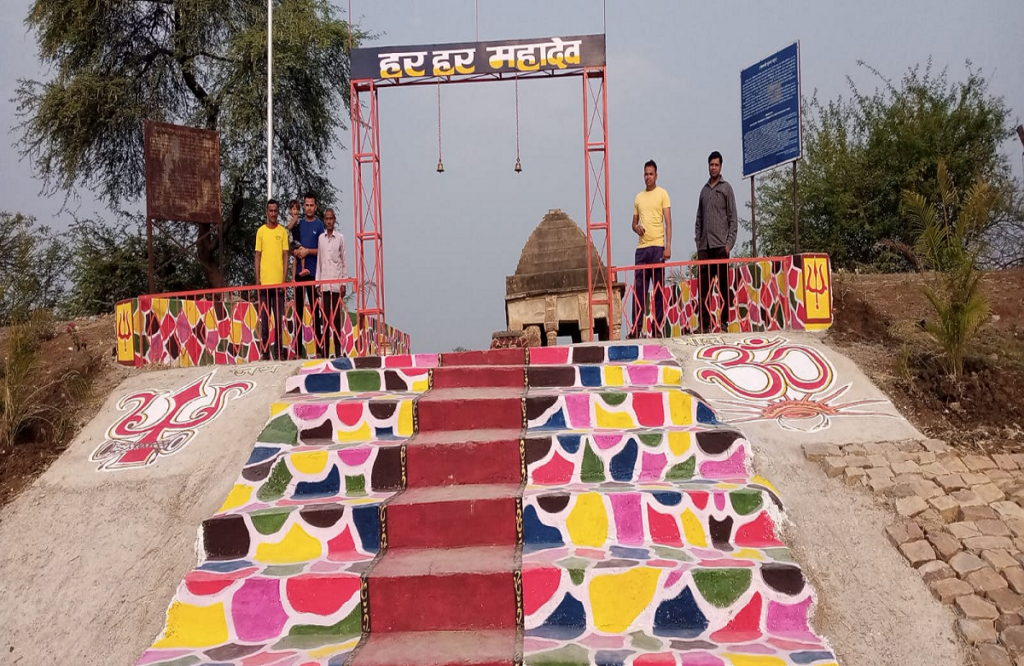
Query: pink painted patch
{"points": [[256, 610], [539, 585], [599, 641], [673, 578], [744, 627], [606, 441], [556, 471], [642, 375], [734, 467], [795, 646], [656, 353], [649, 409], [151, 656], [629, 524], [533, 644], [590, 553], [426, 360], [652, 465], [578, 407], [663, 528], [356, 455], [549, 356], [282, 658], [720, 501], [350, 413], [789, 621], [758, 533], [660, 659], [309, 411], [321, 595], [398, 361], [662, 564]]}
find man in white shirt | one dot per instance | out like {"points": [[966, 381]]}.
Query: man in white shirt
{"points": [[331, 265]]}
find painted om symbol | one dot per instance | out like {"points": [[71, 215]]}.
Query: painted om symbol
{"points": [[774, 363]]}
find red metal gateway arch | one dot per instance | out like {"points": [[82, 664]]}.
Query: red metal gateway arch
{"points": [[432, 64]]}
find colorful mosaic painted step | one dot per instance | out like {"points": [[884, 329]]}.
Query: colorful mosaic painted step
{"points": [[631, 456], [402, 380], [625, 409], [339, 419]]}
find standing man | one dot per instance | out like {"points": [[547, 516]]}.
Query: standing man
{"points": [[331, 265], [309, 230], [715, 236], [271, 260], [652, 223]]}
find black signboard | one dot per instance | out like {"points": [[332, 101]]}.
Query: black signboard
{"points": [[395, 63]]}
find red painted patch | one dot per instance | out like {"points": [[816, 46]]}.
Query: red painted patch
{"points": [[539, 585], [457, 602], [342, 547], [649, 408], [321, 594], [662, 659], [549, 356], [479, 377], [557, 471], [470, 414], [511, 356], [466, 463], [663, 528], [744, 627], [350, 413], [700, 499], [477, 522], [758, 533]]}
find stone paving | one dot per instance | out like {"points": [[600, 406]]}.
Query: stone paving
{"points": [[960, 523]]}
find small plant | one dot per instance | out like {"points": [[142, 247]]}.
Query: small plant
{"points": [[76, 337], [950, 243]]}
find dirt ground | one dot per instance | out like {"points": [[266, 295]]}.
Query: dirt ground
{"points": [[878, 325], [20, 465]]}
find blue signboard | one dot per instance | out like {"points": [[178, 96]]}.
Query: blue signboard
{"points": [[770, 94]]}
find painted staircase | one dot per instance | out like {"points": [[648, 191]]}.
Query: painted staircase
{"points": [[567, 505]]}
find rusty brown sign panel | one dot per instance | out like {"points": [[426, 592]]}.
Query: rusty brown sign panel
{"points": [[182, 173]]}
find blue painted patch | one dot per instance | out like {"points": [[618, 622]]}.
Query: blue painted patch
{"points": [[385, 432], [338, 659], [327, 382], [623, 462], [612, 657], [261, 454], [680, 617], [225, 567], [567, 621], [557, 421], [704, 414], [571, 443], [343, 363], [623, 353], [535, 532], [630, 553], [668, 498], [590, 375], [809, 657], [327, 487], [367, 520]]}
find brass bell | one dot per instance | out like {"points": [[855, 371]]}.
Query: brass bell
{"points": [[519, 167], [440, 166]]}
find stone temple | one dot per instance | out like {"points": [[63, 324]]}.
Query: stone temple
{"points": [[547, 296]]}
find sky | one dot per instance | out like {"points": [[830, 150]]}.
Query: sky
{"points": [[673, 94]]}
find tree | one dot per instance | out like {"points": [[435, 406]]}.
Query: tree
{"points": [[195, 62], [31, 268], [861, 153], [950, 241]]}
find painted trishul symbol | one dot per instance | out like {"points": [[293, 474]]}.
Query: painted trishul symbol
{"points": [[162, 422], [817, 283]]}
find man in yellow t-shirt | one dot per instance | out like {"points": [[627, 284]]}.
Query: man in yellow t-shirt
{"points": [[652, 222], [271, 262]]}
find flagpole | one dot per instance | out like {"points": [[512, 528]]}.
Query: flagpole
{"points": [[270, 98]]}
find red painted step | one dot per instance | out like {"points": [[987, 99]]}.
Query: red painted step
{"points": [[438, 648], [470, 409], [479, 376], [452, 517], [465, 589], [463, 458], [485, 357]]}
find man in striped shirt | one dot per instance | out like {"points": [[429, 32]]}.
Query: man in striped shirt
{"points": [[331, 265]]}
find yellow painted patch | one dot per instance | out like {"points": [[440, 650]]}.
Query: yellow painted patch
{"points": [[277, 407], [312, 364], [817, 289], [672, 376], [191, 626], [748, 554], [296, 546], [693, 530], [753, 660], [159, 307], [613, 376], [309, 462], [606, 419], [251, 318], [680, 406], [210, 320], [764, 482], [588, 521], [618, 599], [421, 386], [679, 441], [360, 434], [239, 496], [328, 650], [404, 418], [236, 332], [191, 312]]}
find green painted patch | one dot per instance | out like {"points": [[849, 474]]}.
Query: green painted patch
{"points": [[576, 576], [651, 439], [283, 570], [613, 398], [746, 501], [671, 553], [570, 655], [268, 523], [592, 469], [306, 636], [642, 641], [281, 430], [722, 587], [189, 660], [682, 471], [779, 554], [274, 487], [363, 380], [355, 485]]}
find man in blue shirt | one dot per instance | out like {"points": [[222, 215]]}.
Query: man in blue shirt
{"points": [[308, 229]]}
